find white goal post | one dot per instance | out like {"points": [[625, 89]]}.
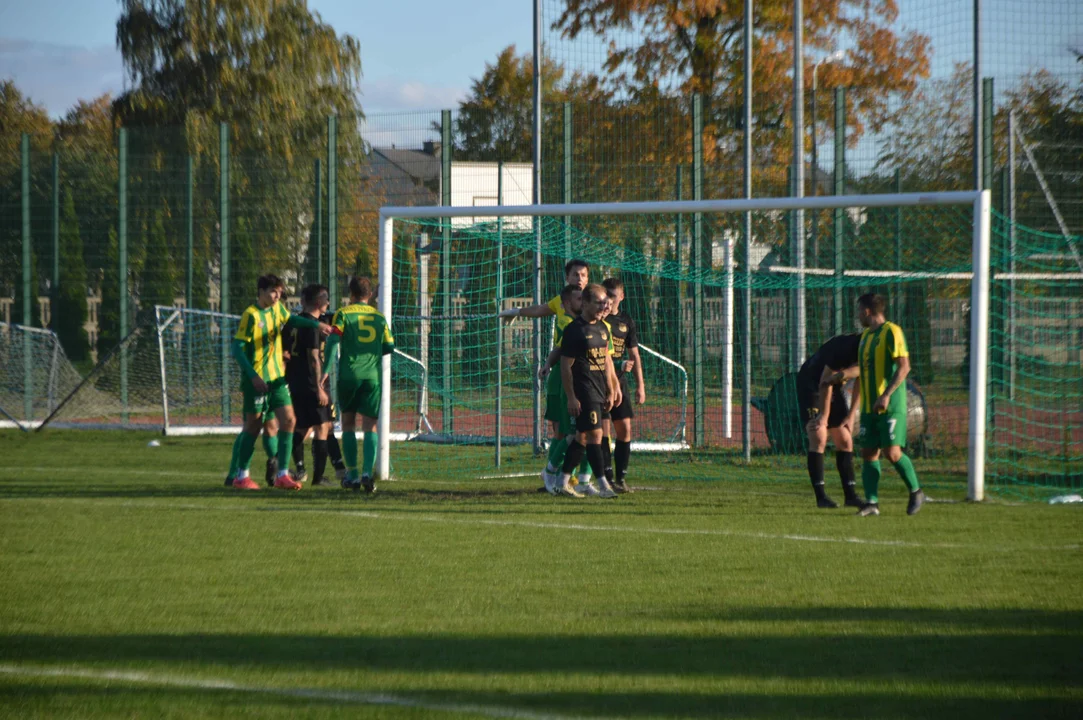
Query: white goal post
{"points": [[979, 201]]}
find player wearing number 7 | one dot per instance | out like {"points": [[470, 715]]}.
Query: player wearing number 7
{"points": [[365, 337], [884, 364]]}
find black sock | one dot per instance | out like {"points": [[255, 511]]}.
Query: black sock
{"points": [[621, 454], [844, 461], [299, 446], [334, 451], [595, 457], [607, 460], [319, 458], [572, 456], [816, 473]]}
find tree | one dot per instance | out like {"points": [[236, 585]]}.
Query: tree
{"points": [[158, 285], [273, 72], [698, 45], [109, 312], [69, 310]]}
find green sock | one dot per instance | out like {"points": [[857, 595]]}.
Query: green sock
{"points": [[285, 452], [349, 450], [870, 479], [371, 441], [235, 458], [906, 469], [557, 448], [247, 448], [584, 466], [270, 445]]}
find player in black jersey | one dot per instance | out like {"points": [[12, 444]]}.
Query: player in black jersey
{"points": [[305, 375], [586, 371], [625, 359], [825, 412]]}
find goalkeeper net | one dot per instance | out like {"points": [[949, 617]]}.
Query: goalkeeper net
{"points": [[35, 375]]}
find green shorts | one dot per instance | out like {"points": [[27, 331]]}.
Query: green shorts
{"points": [[277, 396], [882, 430], [359, 395], [556, 410]]}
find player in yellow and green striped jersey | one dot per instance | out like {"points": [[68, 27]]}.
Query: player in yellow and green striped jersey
{"points": [[884, 363], [365, 337], [257, 349]]}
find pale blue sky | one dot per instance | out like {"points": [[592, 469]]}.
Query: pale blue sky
{"points": [[415, 54]]}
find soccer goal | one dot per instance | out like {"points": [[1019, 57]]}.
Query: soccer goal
{"points": [[445, 272], [35, 375]]}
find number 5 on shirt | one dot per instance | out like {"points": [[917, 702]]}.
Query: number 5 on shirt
{"points": [[366, 332]]}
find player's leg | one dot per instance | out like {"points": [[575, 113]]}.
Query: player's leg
{"points": [[844, 463], [869, 439], [349, 449], [270, 444], [234, 459], [319, 451], [587, 443], [280, 400], [334, 453], [622, 434], [807, 398], [300, 434], [245, 445], [895, 440], [370, 444]]}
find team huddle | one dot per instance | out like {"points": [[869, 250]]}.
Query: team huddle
{"points": [[285, 377], [286, 367]]}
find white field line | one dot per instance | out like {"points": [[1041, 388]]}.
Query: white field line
{"points": [[340, 696], [579, 527]]}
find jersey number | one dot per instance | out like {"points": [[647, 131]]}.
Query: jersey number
{"points": [[891, 428], [366, 332], [593, 418]]}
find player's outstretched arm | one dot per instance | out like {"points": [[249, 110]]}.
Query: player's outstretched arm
{"points": [[531, 311]]}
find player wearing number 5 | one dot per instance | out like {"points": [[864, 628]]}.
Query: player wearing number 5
{"points": [[365, 337], [884, 364]]}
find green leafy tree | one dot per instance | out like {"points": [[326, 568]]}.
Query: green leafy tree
{"points": [[69, 310], [109, 312], [158, 283]]}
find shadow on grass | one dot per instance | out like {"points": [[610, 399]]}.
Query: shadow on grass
{"points": [[114, 700]]}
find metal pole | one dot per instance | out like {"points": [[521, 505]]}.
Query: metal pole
{"points": [[979, 349], [318, 223], [1011, 253], [122, 263], [385, 278], [698, 391], [679, 252], [840, 188], [499, 307], [988, 161], [332, 210], [815, 170], [536, 199], [798, 227], [746, 325], [28, 278], [54, 285], [189, 269], [448, 411], [567, 184], [979, 145], [896, 301], [224, 262]]}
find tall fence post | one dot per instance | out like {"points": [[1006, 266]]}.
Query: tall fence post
{"points": [[699, 394], [499, 306], [897, 301], [840, 189], [317, 223], [189, 270], [122, 262], [28, 278], [332, 210], [224, 262], [54, 285], [746, 316], [447, 414], [678, 251], [566, 185]]}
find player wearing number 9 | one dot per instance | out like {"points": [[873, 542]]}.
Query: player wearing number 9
{"points": [[364, 336]]}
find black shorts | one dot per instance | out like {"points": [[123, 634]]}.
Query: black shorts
{"points": [[590, 417], [808, 395], [623, 411], [307, 409]]}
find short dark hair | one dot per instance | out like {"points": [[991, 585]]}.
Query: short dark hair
{"points": [[315, 295], [567, 292], [593, 289], [361, 286], [613, 284], [269, 282], [573, 264], [872, 302]]}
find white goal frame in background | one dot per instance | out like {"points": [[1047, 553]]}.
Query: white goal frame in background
{"points": [[979, 201]]}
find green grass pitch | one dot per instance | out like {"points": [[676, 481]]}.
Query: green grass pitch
{"points": [[133, 585]]}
